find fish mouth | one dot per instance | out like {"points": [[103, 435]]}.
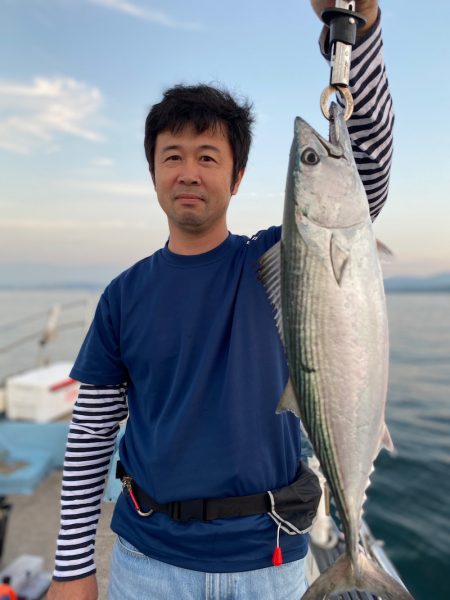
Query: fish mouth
{"points": [[333, 147], [334, 150], [338, 132]]}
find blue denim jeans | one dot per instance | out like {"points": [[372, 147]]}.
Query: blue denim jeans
{"points": [[135, 576]]}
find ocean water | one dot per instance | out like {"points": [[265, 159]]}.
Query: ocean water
{"points": [[408, 503]]}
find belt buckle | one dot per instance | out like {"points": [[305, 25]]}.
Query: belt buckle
{"points": [[189, 510]]}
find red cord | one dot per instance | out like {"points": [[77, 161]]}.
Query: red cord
{"points": [[133, 499]]}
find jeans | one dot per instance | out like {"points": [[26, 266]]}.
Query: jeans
{"points": [[135, 576]]}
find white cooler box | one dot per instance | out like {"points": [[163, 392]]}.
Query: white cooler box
{"points": [[41, 395]]}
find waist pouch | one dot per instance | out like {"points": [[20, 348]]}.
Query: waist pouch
{"points": [[293, 508]]}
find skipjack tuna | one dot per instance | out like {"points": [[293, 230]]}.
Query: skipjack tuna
{"points": [[325, 282]]}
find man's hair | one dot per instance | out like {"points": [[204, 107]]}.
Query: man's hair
{"points": [[204, 108]]}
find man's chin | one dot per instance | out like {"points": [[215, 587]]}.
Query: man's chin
{"points": [[192, 223]]}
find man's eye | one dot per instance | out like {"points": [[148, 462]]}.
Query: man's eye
{"points": [[206, 158], [173, 157]]}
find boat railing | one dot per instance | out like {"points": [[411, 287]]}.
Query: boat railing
{"points": [[47, 332]]}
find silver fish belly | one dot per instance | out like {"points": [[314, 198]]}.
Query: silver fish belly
{"points": [[325, 282]]}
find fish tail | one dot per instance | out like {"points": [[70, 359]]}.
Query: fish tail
{"points": [[366, 576]]}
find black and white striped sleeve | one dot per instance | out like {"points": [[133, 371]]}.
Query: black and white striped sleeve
{"points": [[371, 125], [90, 444]]}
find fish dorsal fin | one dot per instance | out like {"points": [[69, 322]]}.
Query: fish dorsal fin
{"points": [[270, 276], [289, 399], [339, 258]]}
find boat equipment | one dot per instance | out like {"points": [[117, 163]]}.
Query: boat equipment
{"points": [[43, 336], [28, 450], [343, 22]]}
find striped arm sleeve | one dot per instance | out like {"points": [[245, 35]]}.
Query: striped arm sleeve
{"points": [[371, 125], [90, 444]]}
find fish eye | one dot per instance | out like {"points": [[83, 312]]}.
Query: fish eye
{"points": [[310, 157]]}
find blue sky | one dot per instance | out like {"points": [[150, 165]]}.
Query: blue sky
{"points": [[77, 78]]}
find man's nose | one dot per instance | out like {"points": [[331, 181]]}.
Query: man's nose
{"points": [[189, 174]]}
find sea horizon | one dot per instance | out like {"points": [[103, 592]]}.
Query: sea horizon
{"points": [[437, 283]]}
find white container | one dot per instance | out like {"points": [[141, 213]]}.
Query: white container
{"points": [[23, 570], [41, 395]]}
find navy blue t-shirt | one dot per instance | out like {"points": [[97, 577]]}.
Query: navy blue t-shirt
{"points": [[195, 339]]}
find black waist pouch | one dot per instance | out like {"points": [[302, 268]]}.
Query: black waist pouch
{"points": [[294, 508]]}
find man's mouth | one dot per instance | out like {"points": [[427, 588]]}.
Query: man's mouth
{"points": [[188, 198]]}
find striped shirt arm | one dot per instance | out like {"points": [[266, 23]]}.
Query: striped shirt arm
{"points": [[371, 125], [90, 444]]}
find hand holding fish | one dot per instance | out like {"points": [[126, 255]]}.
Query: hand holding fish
{"points": [[367, 8]]}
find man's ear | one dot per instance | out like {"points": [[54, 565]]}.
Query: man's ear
{"points": [[235, 188]]}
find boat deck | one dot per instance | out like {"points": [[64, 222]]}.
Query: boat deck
{"points": [[33, 528]]}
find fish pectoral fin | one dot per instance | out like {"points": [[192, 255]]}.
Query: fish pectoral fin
{"points": [[289, 400], [339, 258], [386, 440], [270, 276], [366, 576], [385, 254]]}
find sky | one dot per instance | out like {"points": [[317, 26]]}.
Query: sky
{"points": [[77, 78]]}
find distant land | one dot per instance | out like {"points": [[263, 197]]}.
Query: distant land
{"points": [[96, 278], [62, 285], [434, 283], [50, 277]]}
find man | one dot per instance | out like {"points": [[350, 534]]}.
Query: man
{"points": [[184, 342]]}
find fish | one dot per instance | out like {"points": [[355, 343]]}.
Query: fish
{"points": [[325, 283]]}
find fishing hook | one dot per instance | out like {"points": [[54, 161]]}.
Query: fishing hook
{"points": [[345, 94]]}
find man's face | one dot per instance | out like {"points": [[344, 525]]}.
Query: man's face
{"points": [[193, 174]]}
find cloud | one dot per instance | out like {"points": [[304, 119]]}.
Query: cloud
{"points": [[116, 188], [35, 114], [102, 162], [61, 225], [154, 16]]}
